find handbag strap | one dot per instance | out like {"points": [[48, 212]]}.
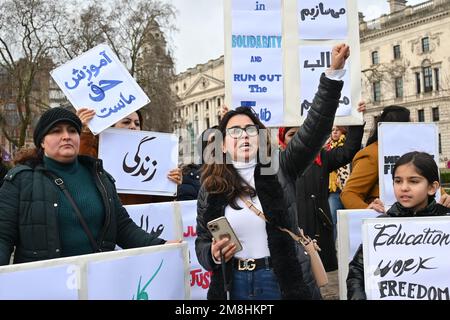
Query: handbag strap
{"points": [[302, 239], [60, 183]]}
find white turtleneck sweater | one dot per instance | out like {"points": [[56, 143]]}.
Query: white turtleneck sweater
{"points": [[249, 228]]}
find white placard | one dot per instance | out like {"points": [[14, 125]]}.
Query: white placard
{"points": [[256, 55], [139, 161], [261, 74], [260, 84], [160, 219], [47, 283], [407, 258], [322, 19], [414, 137], [73, 277], [155, 276], [314, 60], [200, 278], [349, 238], [98, 80]]}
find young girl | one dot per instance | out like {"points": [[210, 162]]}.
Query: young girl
{"points": [[416, 180]]}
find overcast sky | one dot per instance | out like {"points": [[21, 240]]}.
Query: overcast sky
{"points": [[200, 35]]}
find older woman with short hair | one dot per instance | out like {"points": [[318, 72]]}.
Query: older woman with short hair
{"points": [[40, 219]]}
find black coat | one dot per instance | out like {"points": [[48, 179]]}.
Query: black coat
{"points": [[188, 189], [314, 215], [276, 204], [29, 209], [3, 171], [355, 278]]}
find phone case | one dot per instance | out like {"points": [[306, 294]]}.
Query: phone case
{"points": [[221, 228]]}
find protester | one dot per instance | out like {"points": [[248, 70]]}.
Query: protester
{"points": [[3, 171], [89, 146], [362, 190], [188, 189], [38, 219], [268, 262], [416, 180], [311, 190], [338, 177]]}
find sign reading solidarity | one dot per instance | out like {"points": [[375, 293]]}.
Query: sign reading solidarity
{"points": [[276, 52]]}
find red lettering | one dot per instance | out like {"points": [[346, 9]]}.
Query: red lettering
{"points": [[191, 232], [200, 279], [194, 276]]}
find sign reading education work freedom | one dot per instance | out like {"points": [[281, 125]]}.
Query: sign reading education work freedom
{"points": [[314, 60], [322, 19], [414, 137], [257, 70], [349, 225], [139, 161], [407, 258], [98, 80]]}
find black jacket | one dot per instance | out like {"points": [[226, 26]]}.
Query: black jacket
{"points": [[298, 155], [355, 278], [314, 215], [3, 171], [29, 209], [188, 189]]}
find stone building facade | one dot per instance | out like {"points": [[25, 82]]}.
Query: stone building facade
{"points": [[200, 92], [405, 61]]}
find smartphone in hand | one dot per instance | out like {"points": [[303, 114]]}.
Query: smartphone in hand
{"points": [[221, 228]]}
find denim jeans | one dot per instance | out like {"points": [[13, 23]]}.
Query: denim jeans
{"points": [[259, 284], [335, 204]]}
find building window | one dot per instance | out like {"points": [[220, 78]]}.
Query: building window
{"points": [[176, 88], [425, 44], [436, 77], [184, 86], [377, 91], [207, 105], [427, 79], [440, 144], [398, 87], [207, 123], [397, 52], [417, 82], [219, 103], [196, 108], [375, 59], [435, 113], [421, 115]]}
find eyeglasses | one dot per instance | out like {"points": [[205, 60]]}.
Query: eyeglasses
{"points": [[236, 132]]}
